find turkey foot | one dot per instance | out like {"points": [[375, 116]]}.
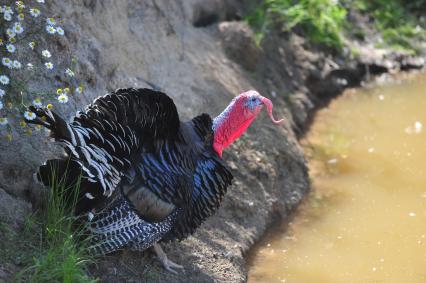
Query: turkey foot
{"points": [[167, 263]]}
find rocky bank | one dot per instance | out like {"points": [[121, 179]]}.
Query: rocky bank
{"points": [[202, 55]]}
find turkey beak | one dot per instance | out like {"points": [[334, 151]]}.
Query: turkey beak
{"points": [[269, 107]]}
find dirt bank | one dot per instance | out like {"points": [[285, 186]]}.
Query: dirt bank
{"points": [[201, 55]]}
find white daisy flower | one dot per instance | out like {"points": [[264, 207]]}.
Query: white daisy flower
{"points": [[29, 115], [50, 29], [21, 17], [8, 9], [49, 65], [17, 64], [60, 31], [7, 16], [4, 80], [69, 72], [37, 102], [1, 105], [3, 121], [17, 27], [32, 44], [20, 4], [40, 1], [46, 53], [30, 66], [79, 90], [63, 98], [51, 21], [6, 62], [35, 12], [2, 92], [10, 47], [10, 33]]}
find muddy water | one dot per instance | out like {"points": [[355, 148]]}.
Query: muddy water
{"points": [[365, 219]]}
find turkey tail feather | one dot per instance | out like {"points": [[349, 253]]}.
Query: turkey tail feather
{"points": [[105, 137], [52, 121]]}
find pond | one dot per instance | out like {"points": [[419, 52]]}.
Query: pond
{"points": [[365, 218]]}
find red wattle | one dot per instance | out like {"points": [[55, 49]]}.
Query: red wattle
{"points": [[218, 148]]}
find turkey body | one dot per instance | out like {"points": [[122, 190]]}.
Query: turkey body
{"points": [[145, 175]]}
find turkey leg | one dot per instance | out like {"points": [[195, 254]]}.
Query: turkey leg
{"points": [[167, 263]]}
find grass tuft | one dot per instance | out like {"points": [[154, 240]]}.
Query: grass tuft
{"points": [[60, 254]]}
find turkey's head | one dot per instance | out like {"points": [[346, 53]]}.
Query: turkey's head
{"points": [[237, 117]]}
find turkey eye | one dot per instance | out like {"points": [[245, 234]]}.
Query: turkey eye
{"points": [[253, 99]]}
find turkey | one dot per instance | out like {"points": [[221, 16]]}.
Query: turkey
{"points": [[145, 176]]}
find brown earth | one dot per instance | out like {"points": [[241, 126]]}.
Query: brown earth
{"points": [[200, 54]]}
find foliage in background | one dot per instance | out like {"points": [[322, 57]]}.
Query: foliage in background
{"points": [[321, 20], [396, 20], [416, 6], [60, 253], [325, 21], [30, 71]]}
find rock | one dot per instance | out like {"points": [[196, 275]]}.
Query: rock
{"points": [[205, 13], [239, 44], [301, 106], [5, 275], [13, 210], [412, 63]]}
